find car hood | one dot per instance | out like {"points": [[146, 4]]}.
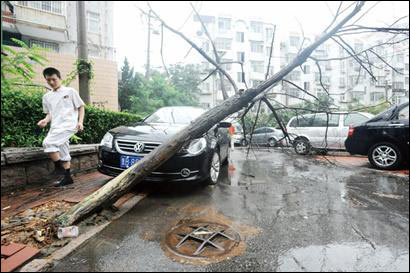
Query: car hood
{"points": [[147, 132]]}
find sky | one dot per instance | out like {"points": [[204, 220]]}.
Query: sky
{"points": [[130, 27]]}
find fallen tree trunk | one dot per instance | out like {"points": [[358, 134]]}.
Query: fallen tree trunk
{"points": [[114, 189]]}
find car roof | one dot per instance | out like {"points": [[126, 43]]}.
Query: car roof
{"points": [[336, 113]]}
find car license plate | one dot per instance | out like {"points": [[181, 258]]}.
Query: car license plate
{"points": [[127, 161]]}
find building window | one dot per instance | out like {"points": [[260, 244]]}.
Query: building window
{"points": [[256, 27], [223, 43], [400, 58], [269, 34], [255, 83], [240, 37], [256, 47], [257, 66], [342, 66], [358, 47], [94, 52], [47, 6], [376, 96], [43, 44], [293, 92], [294, 76], [241, 57], [342, 82], [306, 86], [406, 80], [406, 67], [240, 77], [294, 41], [306, 69], [291, 57], [224, 23], [93, 22], [226, 66], [398, 85], [268, 49]]}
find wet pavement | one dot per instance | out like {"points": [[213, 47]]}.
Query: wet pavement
{"points": [[292, 213]]}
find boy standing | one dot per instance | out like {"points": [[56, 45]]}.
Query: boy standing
{"points": [[65, 110]]}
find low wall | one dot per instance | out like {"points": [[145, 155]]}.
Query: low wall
{"points": [[21, 167]]}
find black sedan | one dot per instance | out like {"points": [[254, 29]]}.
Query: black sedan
{"points": [[200, 159], [384, 139]]}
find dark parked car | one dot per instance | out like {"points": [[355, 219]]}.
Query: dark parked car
{"points": [[384, 138], [200, 159]]}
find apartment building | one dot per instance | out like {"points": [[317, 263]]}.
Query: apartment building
{"points": [[249, 41], [237, 40], [53, 25]]}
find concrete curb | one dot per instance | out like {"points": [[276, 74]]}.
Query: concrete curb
{"points": [[41, 265]]}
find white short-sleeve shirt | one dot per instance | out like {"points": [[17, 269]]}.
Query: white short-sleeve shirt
{"points": [[62, 104]]}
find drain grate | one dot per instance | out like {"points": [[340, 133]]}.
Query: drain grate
{"points": [[202, 239]]}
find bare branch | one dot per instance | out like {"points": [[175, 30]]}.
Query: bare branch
{"points": [[270, 53], [162, 45], [200, 51]]}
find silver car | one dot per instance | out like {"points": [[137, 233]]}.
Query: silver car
{"points": [[265, 136], [310, 131]]}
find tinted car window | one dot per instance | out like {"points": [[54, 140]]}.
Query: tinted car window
{"points": [[303, 121], [354, 119], [177, 115], [321, 120], [404, 114]]}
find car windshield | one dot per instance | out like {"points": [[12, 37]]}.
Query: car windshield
{"points": [[176, 115]]}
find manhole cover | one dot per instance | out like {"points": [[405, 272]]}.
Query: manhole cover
{"points": [[202, 240]]}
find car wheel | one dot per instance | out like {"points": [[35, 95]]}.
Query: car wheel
{"points": [[244, 143], [302, 146], [215, 169], [272, 142], [385, 156]]}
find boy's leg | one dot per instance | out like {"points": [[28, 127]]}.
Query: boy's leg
{"points": [[66, 159], [53, 151]]}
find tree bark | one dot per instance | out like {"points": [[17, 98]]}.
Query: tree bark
{"points": [[113, 190]]}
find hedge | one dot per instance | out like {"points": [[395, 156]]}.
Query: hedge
{"points": [[21, 109]]}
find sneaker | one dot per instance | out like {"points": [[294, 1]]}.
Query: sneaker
{"points": [[67, 180]]}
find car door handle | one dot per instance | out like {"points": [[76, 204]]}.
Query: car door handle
{"points": [[398, 125]]}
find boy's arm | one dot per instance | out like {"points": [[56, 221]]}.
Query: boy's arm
{"points": [[43, 123], [81, 113]]}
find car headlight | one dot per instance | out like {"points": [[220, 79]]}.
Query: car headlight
{"points": [[196, 146], [107, 140]]}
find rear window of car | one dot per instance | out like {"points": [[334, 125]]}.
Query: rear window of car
{"points": [[354, 119]]}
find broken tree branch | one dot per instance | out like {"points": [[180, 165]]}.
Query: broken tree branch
{"points": [[118, 186]]}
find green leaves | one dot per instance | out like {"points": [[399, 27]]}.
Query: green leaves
{"points": [[21, 109], [17, 66], [139, 95]]}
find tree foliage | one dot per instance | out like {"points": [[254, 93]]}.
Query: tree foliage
{"points": [[142, 96]]}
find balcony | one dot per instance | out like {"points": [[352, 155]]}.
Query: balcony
{"points": [[29, 15]]}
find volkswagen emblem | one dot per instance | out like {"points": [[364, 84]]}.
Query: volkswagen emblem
{"points": [[139, 147]]}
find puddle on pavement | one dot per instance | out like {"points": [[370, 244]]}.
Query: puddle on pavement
{"points": [[349, 257]]}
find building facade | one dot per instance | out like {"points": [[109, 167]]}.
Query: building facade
{"points": [[237, 40], [249, 41], [53, 25]]}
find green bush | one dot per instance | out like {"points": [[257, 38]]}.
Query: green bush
{"points": [[21, 109]]}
